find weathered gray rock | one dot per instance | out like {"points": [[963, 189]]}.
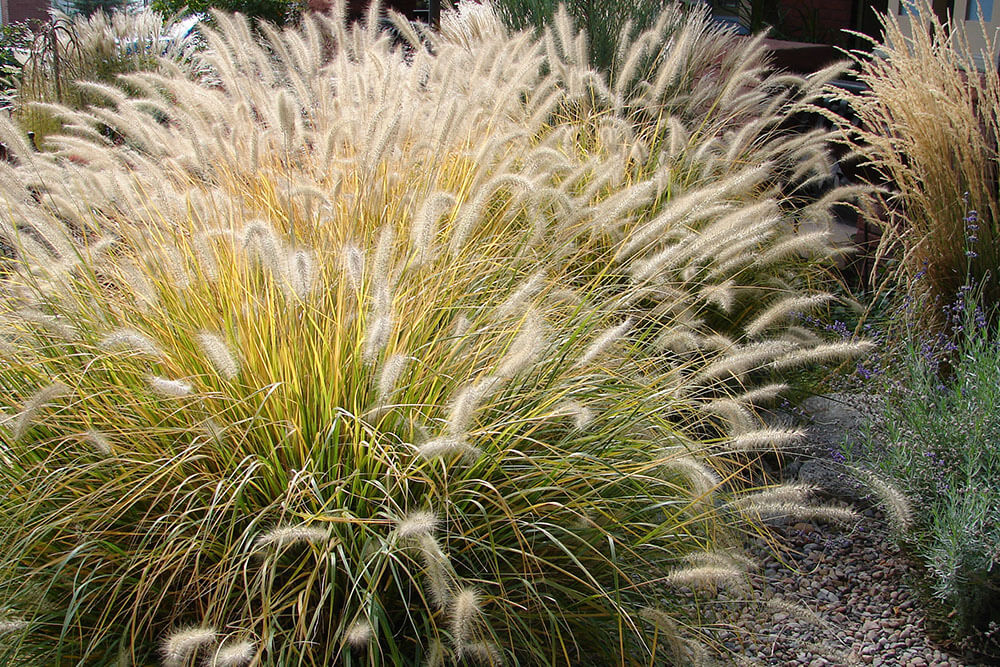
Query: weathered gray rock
{"points": [[831, 479], [835, 419]]}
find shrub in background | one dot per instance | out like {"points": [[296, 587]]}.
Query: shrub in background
{"points": [[929, 129], [70, 52], [364, 355]]}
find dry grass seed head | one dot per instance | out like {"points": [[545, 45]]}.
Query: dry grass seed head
{"points": [[180, 646]]}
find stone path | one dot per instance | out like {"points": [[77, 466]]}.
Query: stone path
{"points": [[853, 581], [840, 595]]}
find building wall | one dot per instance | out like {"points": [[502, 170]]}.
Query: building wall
{"points": [[14, 11]]}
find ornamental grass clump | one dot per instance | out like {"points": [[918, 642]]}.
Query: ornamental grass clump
{"points": [[361, 355], [929, 131]]}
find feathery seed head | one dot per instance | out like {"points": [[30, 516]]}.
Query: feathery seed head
{"points": [[284, 536], [416, 524], [169, 388], [519, 298], [484, 653], [132, 341], [218, 354], [287, 114], [263, 245], [10, 625], [468, 400], [180, 646], [703, 479], [233, 654], [449, 447], [437, 568], [784, 309], [353, 262], [524, 348], [705, 577], [301, 273], [580, 414], [40, 399], [830, 352], [98, 441], [464, 613], [894, 501], [602, 342], [766, 439], [392, 370], [377, 336], [359, 635]]}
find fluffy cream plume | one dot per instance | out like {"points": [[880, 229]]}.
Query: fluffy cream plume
{"points": [[721, 559], [679, 340], [741, 360], [359, 635], [766, 439], [53, 324], [762, 394], [892, 500], [435, 654], [799, 244], [424, 228], [39, 400], [9, 625], [735, 412], [669, 632], [483, 653], [821, 354], [524, 348], [218, 354], [301, 272], [283, 536], [233, 654], [605, 340], [706, 577], [784, 308], [382, 262], [97, 440], [703, 479], [464, 612], [467, 401], [169, 388], [377, 336], [287, 115], [263, 245], [789, 500], [130, 340], [448, 447], [353, 263], [416, 524], [180, 646], [779, 605], [578, 412], [440, 579], [388, 379], [722, 295], [519, 298]]}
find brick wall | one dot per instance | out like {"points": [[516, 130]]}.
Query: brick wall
{"points": [[24, 10]]}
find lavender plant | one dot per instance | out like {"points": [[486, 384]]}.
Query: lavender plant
{"points": [[936, 438]]}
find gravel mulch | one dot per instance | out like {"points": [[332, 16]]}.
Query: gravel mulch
{"points": [[853, 581]]}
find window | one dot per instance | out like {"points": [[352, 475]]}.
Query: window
{"points": [[979, 9]]}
